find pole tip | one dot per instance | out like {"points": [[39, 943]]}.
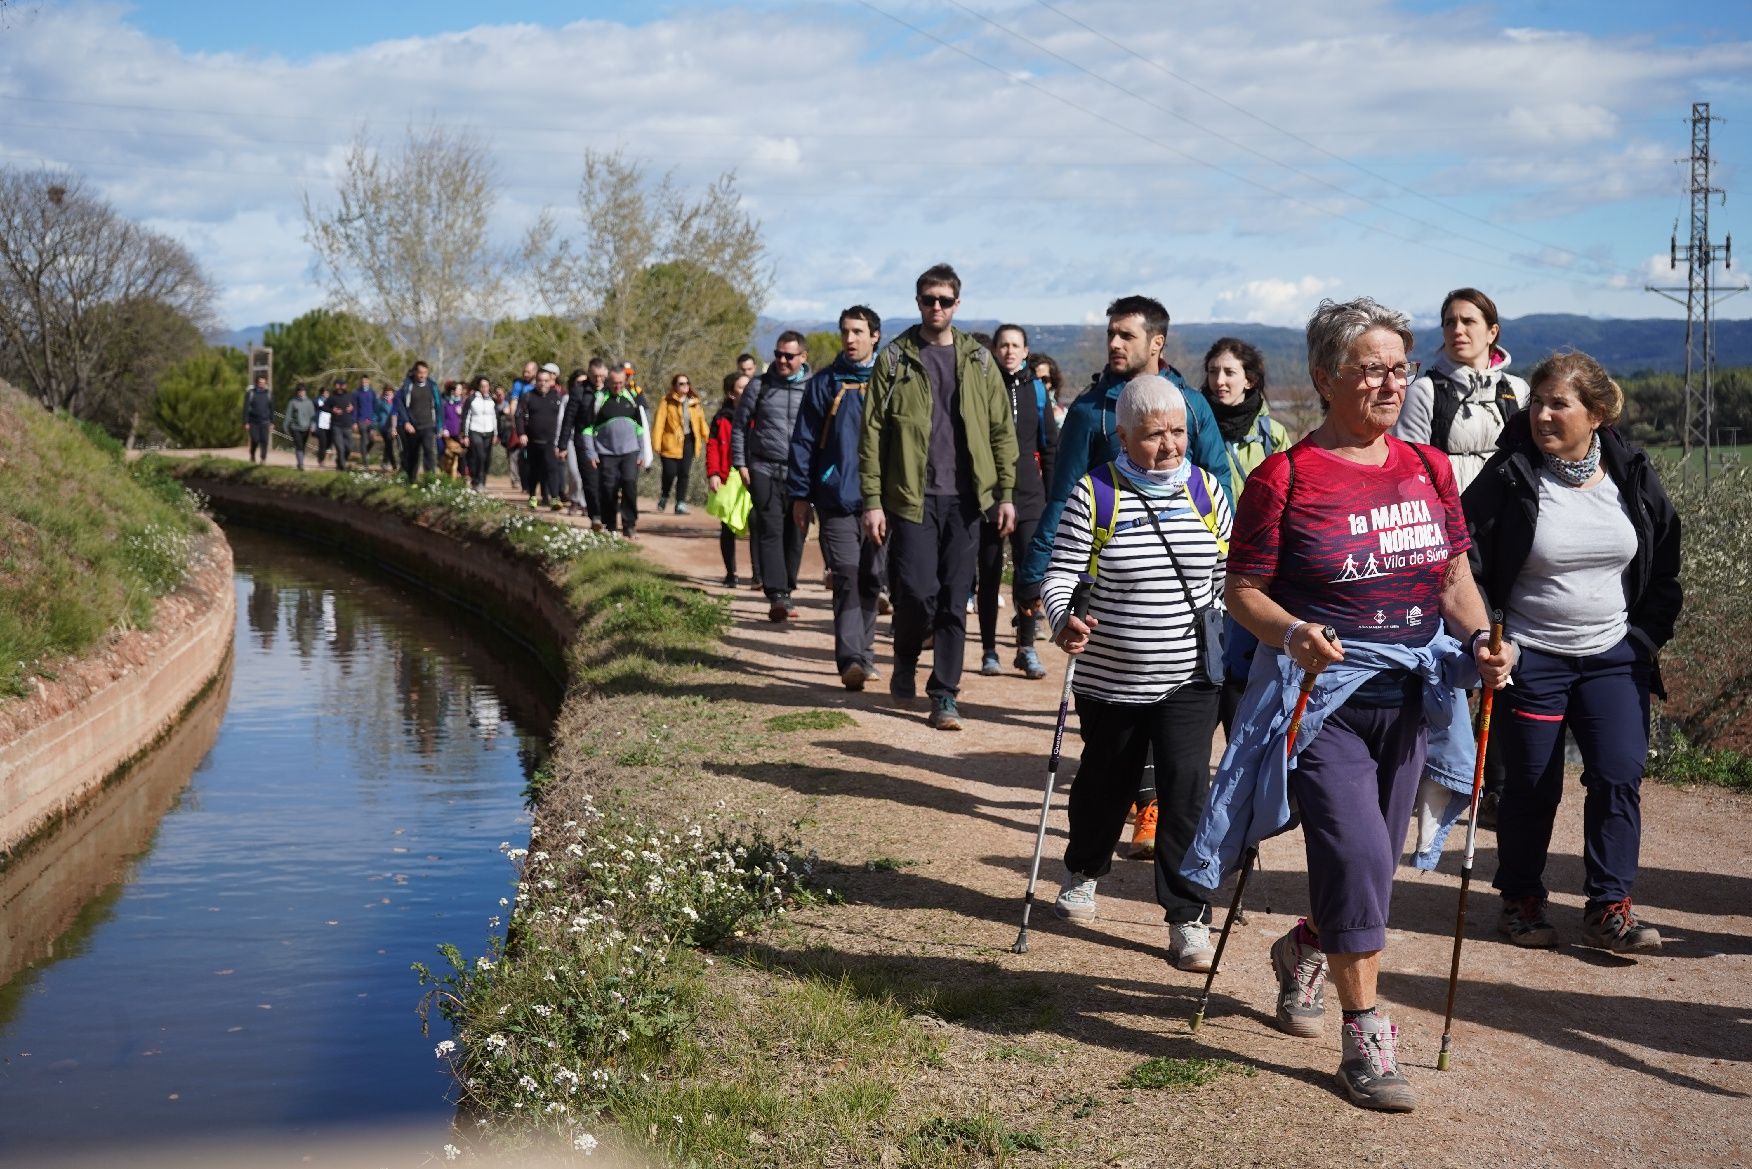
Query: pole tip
{"points": [[1021, 946], [1196, 1020], [1442, 1062]]}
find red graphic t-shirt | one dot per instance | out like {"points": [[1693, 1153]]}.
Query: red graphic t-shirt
{"points": [[1362, 549]]}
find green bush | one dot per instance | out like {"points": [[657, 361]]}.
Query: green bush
{"points": [[200, 401]]}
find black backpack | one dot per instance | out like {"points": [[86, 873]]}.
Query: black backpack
{"points": [[1446, 406]]}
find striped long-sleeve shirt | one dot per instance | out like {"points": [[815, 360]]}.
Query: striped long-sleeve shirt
{"points": [[1145, 643]]}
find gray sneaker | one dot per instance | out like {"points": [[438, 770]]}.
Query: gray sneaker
{"points": [[1524, 922], [1076, 899], [1301, 973], [945, 715], [1615, 927], [1189, 946], [1368, 1067]]}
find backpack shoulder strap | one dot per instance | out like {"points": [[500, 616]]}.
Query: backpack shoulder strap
{"points": [[1040, 410], [1262, 424], [1198, 492], [1103, 511], [833, 409]]}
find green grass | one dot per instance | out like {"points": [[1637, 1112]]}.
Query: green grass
{"points": [[87, 544], [1686, 765], [1180, 1075], [811, 720]]}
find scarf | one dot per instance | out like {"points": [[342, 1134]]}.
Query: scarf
{"points": [[1235, 421], [801, 376], [847, 370], [1581, 470], [1154, 484]]}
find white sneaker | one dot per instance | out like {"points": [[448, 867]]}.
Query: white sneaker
{"points": [[1076, 899], [1189, 946]]}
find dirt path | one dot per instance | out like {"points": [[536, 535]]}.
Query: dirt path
{"points": [[1565, 1057]]}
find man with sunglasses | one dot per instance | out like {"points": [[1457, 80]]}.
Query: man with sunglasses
{"points": [[938, 450], [760, 450]]}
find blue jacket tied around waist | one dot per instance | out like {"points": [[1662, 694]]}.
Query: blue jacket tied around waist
{"points": [[1250, 796]]}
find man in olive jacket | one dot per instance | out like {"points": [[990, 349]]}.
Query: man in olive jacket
{"points": [[938, 450]]}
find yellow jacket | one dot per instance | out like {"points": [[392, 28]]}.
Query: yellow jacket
{"points": [[675, 415]]}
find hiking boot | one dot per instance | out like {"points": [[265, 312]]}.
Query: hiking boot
{"points": [[533, 505], [680, 508], [778, 608], [1615, 927], [871, 673], [1301, 973], [853, 676], [556, 505], [945, 715], [1488, 803], [904, 684], [1143, 841], [662, 502], [1029, 662], [989, 664], [1524, 922], [1076, 899], [1189, 946], [1368, 1066], [729, 577]]}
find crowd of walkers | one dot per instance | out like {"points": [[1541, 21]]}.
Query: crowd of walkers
{"points": [[1199, 565], [1200, 568]]}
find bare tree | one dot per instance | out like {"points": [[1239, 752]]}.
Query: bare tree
{"points": [[665, 279], [92, 305], [407, 251]]}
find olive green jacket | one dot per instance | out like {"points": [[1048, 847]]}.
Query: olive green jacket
{"points": [[897, 427]]}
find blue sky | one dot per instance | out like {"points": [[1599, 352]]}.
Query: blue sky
{"points": [[1239, 161]]}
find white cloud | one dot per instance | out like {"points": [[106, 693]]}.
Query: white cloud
{"points": [[1271, 301]]}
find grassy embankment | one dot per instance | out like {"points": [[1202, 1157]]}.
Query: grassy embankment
{"points": [[89, 543], [650, 996]]}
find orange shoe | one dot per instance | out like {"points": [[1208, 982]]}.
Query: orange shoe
{"points": [[1143, 841]]}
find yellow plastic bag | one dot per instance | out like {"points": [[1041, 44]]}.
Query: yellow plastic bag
{"points": [[731, 503]]}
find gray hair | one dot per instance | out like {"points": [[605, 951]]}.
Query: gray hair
{"points": [[1336, 325], [1145, 395]]}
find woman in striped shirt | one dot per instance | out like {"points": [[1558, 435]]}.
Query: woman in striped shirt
{"points": [[1150, 533]]}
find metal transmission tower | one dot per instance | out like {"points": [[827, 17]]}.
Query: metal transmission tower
{"points": [[1700, 257]]}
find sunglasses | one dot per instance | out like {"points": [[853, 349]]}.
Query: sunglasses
{"points": [[937, 302], [781, 355]]}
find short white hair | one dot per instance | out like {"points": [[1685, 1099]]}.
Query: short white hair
{"points": [[1146, 395]]}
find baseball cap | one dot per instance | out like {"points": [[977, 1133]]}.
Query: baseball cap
{"points": [[550, 367]]}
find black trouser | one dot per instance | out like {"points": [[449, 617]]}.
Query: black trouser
{"points": [[1116, 736], [299, 440], [258, 439], [991, 581], [419, 451], [618, 488], [480, 454], [367, 439], [778, 543], [592, 476], [343, 446], [324, 440], [930, 569], [675, 473], [727, 547], [389, 447], [855, 562], [546, 475]]}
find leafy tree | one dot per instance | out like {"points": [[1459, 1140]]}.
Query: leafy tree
{"points": [[541, 338], [321, 345], [680, 318], [89, 300], [200, 400], [823, 347], [141, 339]]}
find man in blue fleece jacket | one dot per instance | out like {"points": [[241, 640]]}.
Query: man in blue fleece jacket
{"points": [[1137, 329]]}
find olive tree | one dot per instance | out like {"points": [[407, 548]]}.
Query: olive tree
{"points": [[406, 253], [92, 305], [667, 279]]}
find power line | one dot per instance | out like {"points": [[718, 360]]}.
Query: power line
{"points": [[1356, 166]]}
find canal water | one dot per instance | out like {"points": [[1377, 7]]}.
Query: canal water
{"points": [[220, 946]]}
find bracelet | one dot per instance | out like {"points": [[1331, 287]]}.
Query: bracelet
{"points": [[1291, 632], [1472, 642]]}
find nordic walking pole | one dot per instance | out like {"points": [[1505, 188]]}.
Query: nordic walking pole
{"points": [[1484, 705], [1080, 608], [1252, 854]]}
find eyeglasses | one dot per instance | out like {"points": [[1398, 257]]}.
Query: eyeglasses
{"points": [[683, 382], [1375, 376], [782, 355], [937, 302]]}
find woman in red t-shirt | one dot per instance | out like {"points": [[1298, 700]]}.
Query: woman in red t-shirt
{"points": [[1362, 532]]}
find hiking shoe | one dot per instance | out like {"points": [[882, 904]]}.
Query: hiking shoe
{"points": [[680, 508], [1368, 1066], [1076, 899], [778, 609], [556, 505], [853, 676], [1301, 973], [1615, 927], [1488, 803], [904, 684], [1524, 922], [1029, 662], [1143, 841], [533, 505], [1189, 946], [662, 502], [989, 664], [871, 673], [884, 606], [729, 577], [945, 715]]}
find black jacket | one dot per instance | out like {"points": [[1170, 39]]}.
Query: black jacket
{"points": [[580, 414], [1502, 508], [1036, 442], [541, 418]]}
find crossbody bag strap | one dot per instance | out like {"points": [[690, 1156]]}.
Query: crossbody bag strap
{"points": [[1150, 514]]}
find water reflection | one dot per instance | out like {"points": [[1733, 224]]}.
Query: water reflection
{"points": [[250, 970]]}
